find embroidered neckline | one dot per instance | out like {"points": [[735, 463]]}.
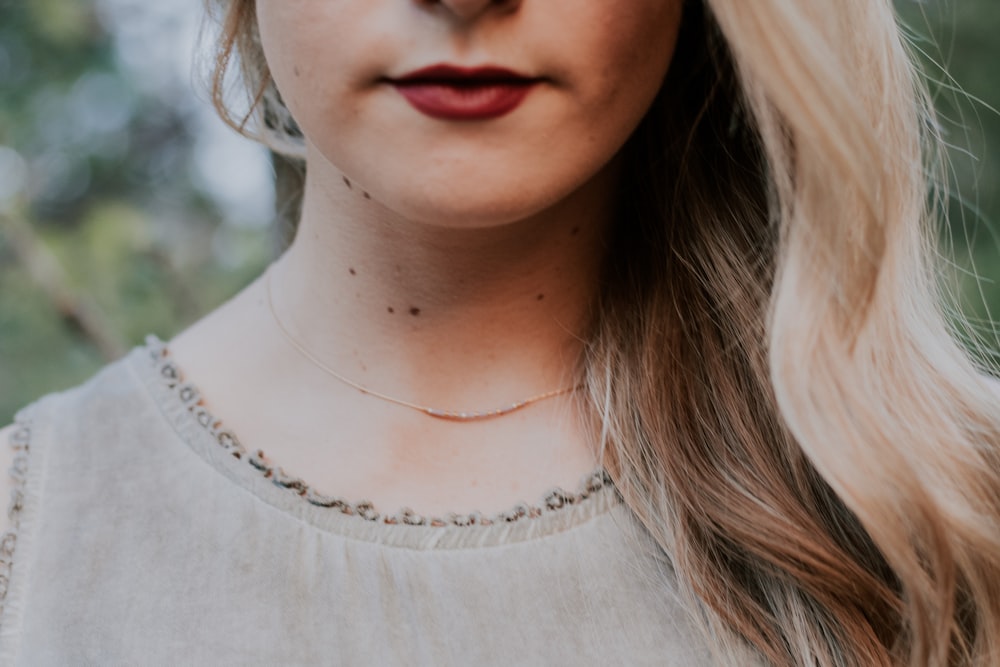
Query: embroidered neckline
{"points": [[173, 378]]}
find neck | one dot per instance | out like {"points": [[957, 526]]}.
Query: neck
{"points": [[449, 317]]}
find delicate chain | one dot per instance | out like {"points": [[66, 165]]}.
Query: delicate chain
{"points": [[432, 412]]}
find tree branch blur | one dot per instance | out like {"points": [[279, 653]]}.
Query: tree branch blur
{"points": [[76, 308]]}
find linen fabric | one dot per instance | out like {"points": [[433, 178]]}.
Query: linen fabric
{"points": [[141, 538]]}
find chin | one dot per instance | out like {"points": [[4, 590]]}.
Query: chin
{"points": [[458, 213], [458, 203]]}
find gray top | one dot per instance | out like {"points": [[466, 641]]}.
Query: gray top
{"points": [[143, 533]]}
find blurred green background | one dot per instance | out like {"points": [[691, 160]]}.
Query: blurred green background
{"points": [[127, 207]]}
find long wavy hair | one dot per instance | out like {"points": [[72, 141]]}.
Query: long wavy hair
{"points": [[781, 398]]}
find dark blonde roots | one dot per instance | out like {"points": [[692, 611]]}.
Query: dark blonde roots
{"points": [[781, 401]]}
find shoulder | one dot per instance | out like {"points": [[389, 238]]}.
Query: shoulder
{"points": [[69, 419], [6, 481]]}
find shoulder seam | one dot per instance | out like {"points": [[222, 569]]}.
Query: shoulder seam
{"points": [[20, 440]]}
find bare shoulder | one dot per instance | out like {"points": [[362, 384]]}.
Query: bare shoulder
{"points": [[6, 483]]}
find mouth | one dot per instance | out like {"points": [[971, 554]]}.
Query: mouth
{"points": [[447, 92]]}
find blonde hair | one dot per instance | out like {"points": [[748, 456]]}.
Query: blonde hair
{"points": [[781, 400]]}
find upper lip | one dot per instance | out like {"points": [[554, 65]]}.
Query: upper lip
{"points": [[455, 74]]}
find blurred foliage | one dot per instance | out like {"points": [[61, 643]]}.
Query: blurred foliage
{"points": [[107, 233], [104, 225]]}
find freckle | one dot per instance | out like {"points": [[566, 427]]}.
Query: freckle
{"points": [[391, 310], [367, 196], [540, 297], [347, 182], [414, 311], [296, 70], [575, 231], [353, 272], [364, 367]]}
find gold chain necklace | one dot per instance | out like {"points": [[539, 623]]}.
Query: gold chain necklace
{"points": [[449, 415]]}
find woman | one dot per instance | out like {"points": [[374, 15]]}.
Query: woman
{"points": [[678, 250]]}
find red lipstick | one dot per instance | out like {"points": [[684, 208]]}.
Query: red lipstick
{"points": [[458, 93]]}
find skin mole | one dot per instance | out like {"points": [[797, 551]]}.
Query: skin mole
{"points": [[352, 271], [540, 297], [367, 196], [347, 182], [391, 310], [414, 311]]}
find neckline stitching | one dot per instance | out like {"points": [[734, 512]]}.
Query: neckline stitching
{"points": [[187, 396]]}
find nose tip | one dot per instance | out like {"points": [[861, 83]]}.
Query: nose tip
{"points": [[470, 9]]}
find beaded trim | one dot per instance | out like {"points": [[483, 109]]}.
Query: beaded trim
{"points": [[189, 395], [20, 438]]}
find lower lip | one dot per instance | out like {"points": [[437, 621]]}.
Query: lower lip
{"points": [[480, 102]]}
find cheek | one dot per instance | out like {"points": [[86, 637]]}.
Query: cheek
{"points": [[301, 38], [629, 48]]}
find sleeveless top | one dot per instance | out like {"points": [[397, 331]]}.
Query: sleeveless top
{"points": [[143, 533]]}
